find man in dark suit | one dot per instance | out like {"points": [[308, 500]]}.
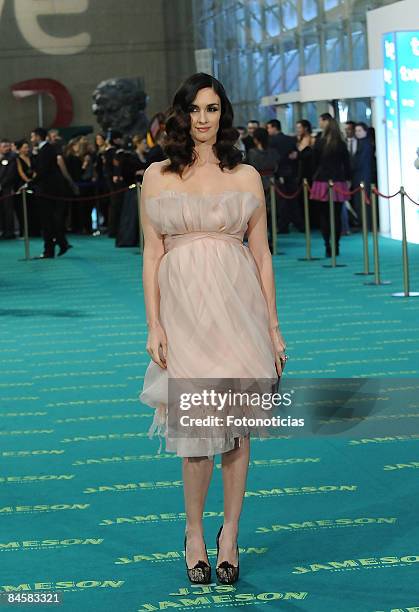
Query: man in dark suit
{"points": [[288, 210], [7, 180], [49, 181]]}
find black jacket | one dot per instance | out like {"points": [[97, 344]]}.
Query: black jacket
{"points": [[49, 179], [362, 162], [284, 145], [266, 160], [331, 165], [8, 170]]}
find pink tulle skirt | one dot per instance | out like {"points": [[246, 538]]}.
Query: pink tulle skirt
{"points": [[320, 191]]}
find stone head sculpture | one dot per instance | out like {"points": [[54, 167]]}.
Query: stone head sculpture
{"points": [[119, 104]]}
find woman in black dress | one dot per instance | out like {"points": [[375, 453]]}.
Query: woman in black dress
{"points": [[24, 174], [305, 144], [74, 166]]}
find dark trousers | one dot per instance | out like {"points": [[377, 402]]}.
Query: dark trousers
{"points": [[325, 221], [102, 204], [34, 221], [288, 210], [81, 210], [114, 215], [53, 224], [268, 210], [128, 223], [87, 190], [7, 218]]}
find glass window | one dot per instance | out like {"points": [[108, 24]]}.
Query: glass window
{"points": [[289, 15], [274, 74], [292, 70], [257, 46], [359, 47], [272, 18], [335, 54], [309, 9], [255, 20], [331, 4]]}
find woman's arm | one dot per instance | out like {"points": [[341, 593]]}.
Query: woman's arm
{"points": [[153, 252], [259, 246]]}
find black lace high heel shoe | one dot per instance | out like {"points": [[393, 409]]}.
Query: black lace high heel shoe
{"points": [[200, 573], [226, 572]]}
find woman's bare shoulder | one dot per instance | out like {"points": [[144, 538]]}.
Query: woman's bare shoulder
{"points": [[245, 170], [248, 177], [155, 168], [153, 178]]}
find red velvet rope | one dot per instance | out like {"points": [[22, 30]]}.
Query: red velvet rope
{"points": [[82, 198], [286, 196], [411, 199], [346, 193], [382, 195]]}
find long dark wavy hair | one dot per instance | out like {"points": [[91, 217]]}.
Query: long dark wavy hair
{"points": [[332, 136], [178, 143]]}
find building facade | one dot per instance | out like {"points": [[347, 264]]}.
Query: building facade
{"points": [[261, 47], [82, 42]]}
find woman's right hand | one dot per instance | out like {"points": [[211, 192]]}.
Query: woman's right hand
{"points": [[157, 345]]}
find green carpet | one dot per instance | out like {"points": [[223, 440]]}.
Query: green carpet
{"points": [[88, 509]]}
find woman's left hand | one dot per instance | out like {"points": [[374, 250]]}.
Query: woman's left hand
{"points": [[279, 346]]}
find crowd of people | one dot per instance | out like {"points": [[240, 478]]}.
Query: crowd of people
{"points": [[345, 157], [66, 182], [82, 186]]}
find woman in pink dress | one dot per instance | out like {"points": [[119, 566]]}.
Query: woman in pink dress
{"points": [[210, 299]]}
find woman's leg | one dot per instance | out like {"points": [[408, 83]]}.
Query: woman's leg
{"points": [[324, 216], [235, 465], [345, 220], [338, 223], [197, 472]]}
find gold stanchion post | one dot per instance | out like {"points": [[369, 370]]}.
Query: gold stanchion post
{"points": [[24, 193], [377, 280], [308, 256], [364, 232], [406, 282], [332, 229], [25, 224]]}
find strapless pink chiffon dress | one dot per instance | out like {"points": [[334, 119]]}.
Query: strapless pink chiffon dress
{"points": [[212, 307]]}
